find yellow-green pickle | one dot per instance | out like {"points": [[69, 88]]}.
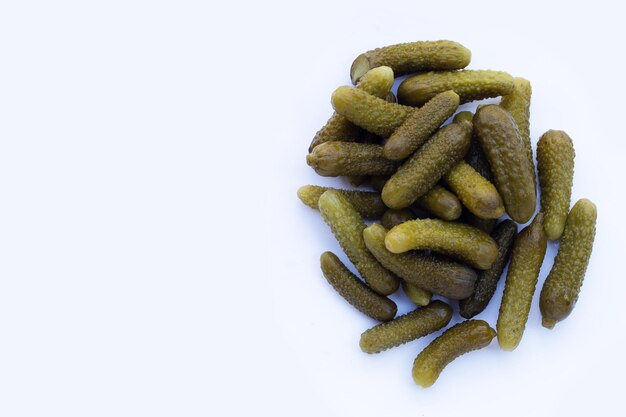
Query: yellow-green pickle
{"points": [[333, 159], [475, 156], [527, 255], [441, 203], [476, 193], [409, 57], [503, 145], [555, 163], [432, 273], [418, 323], [367, 203], [376, 82], [347, 226], [457, 340], [560, 290], [458, 240], [417, 175], [353, 290], [420, 125], [419, 296], [470, 85], [487, 280]]}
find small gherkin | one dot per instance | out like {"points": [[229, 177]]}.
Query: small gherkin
{"points": [[475, 192], [419, 296], [555, 163], [367, 203], [333, 159], [394, 217]]}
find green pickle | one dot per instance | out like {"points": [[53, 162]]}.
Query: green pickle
{"points": [[441, 203], [457, 240], [393, 217], [333, 159], [476, 193], [487, 280], [367, 203], [514, 178], [420, 125], [431, 273], [427, 165], [418, 323], [347, 226], [470, 85], [376, 82], [555, 163], [419, 296], [354, 291], [475, 156], [406, 58], [460, 339], [562, 286], [527, 256], [369, 112]]}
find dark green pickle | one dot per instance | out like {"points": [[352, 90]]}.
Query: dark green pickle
{"points": [[394, 217]]}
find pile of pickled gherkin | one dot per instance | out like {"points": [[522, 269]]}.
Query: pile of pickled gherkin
{"points": [[444, 202]]}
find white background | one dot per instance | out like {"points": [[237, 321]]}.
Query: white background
{"points": [[154, 258]]}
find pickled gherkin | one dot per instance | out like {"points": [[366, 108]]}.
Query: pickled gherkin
{"points": [[562, 287], [527, 255], [513, 176], [367, 203], [470, 85], [555, 162], [393, 217], [418, 323], [427, 165], [406, 58], [419, 296], [475, 191], [333, 159], [441, 203], [376, 82], [353, 290], [347, 226], [475, 155], [487, 280], [432, 273], [420, 125], [458, 240], [371, 113], [460, 339]]}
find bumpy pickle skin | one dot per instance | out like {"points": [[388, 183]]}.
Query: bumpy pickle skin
{"points": [[529, 249], [420, 125], [457, 240], [418, 323], [435, 274], [371, 113], [475, 191], [393, 217], [347, 226], [487, 280], [376, 82], [555, 162], [460, 339], [562, 286], [419, 296], [354, 291], [513, 177], [441, 203], [406, 58], [475, 155], [367, 203], [517, 103], [333, 159], [418, 174], [470, 85]]}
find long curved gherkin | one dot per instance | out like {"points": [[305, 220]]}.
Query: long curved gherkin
{"points": [[527, 256], [347, 226], [418, 323], [470, 85], [371, 113], [555, 163], [562, 287], [354, 291], [376, 82], [367, 203], [406, 58]]}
